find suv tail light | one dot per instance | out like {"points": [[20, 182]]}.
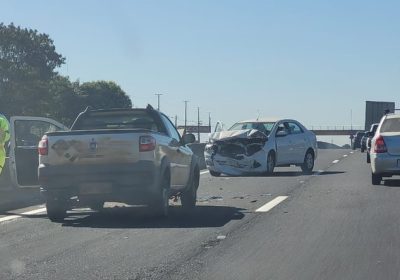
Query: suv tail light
{"points": [[147, 143], [43, 146], [380, 146]]}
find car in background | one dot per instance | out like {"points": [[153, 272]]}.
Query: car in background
{"points": [[363, 145], [357, 140], [371, 134], [258, 146], [385, 149]]}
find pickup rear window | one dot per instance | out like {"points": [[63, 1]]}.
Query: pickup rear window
{"points": [[139, 119]]}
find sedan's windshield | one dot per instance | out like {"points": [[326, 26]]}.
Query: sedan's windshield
{"points": [[264, 127]]}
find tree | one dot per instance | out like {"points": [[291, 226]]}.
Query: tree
{"points": [[28, 60], [66, 100], [104, 95]]}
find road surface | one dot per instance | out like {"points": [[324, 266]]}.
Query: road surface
{"points": [[330, 225]]}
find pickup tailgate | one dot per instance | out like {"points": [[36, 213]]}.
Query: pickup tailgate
{"points": [[84, 147]]}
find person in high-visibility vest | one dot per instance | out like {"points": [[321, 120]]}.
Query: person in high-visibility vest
{"points": [[4, 137]]}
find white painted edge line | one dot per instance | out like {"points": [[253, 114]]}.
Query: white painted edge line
{"points": [[36, 211], [335, 161], [32, 212], [204, 172], [269, 205]]}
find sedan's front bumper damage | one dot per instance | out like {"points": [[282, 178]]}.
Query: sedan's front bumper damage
{"points": [[237, 153]]}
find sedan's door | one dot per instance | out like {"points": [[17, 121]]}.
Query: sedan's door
{"points": [[25, 134], [283, 144], [180, 157], [298, 141]]}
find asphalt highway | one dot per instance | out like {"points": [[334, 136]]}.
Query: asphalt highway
{"points": [[330, 225]]}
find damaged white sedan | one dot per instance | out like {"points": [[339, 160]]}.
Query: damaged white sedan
{"points": [[258, 146]]}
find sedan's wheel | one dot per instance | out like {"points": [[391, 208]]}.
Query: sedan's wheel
{"points": [[376, 179], [368, 158], [161, 203], [56, 210], [308, 163], [362, 150], [270, 163], [189, 197], [215, 173]]}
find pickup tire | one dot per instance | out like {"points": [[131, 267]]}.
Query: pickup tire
{"points": [[160, 204], [97, 205], [56, 210], [189, 196]]}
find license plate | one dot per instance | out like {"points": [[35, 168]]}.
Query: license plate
{"points": [[95, 188]]}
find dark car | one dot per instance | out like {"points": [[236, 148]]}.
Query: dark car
{"points": [[357, 140], [363, 145], [371, 134]]}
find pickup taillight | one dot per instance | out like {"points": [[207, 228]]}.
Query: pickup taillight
{"points": [[147, 143], [43, 146]]}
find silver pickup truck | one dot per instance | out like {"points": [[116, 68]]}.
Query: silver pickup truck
{"points": [[134, 156]]}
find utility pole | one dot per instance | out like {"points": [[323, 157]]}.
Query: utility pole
{"points": [[209, 120], [198, 124], [186, 102], [158, 100], [176, 121]]}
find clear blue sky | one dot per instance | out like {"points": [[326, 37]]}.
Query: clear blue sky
{"points": [[310, 60]]}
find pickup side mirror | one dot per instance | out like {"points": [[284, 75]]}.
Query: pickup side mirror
{"points": [[188, 138], [281, 133]]}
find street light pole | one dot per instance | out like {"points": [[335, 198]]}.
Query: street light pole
{"points": [[186, 102], [198, 124], [158, 100]]}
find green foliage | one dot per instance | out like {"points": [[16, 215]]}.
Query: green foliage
{"points": [[29, 84], [104, 95], [27, 64]]}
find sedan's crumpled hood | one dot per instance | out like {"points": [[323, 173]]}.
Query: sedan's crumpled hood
{"points": [[237, 152], [234, 134]]}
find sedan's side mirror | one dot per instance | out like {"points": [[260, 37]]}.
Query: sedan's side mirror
{"points": [[281, 133], [188, 138]]}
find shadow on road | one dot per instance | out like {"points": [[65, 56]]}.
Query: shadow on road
{"points": [[203, 216], [392, 183], [19, 198]]}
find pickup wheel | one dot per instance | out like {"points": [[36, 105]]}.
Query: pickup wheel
{"points": [[160, 204], [56, 209], [97, 205], [189, 196]]}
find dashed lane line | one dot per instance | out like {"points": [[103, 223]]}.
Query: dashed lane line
{"points": [[204, 172], [335, 161], [269, 205]]}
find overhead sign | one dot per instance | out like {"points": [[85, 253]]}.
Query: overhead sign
{"points": [[196, 129]]}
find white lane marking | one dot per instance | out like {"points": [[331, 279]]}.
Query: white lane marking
{"points": [[335, 161], [204, 172], [351, 152], [36, 211], [344, 155], [268, 206], [32, 212], [8, 218]]}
